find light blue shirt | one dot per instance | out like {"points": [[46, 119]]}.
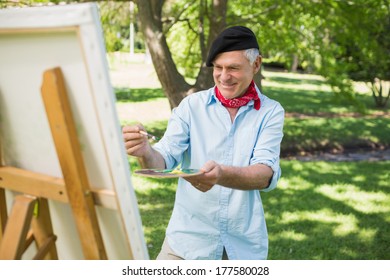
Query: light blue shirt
{"points": [[199, 130]]}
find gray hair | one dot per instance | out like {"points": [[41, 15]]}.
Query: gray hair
{"points": [[252, 54]]}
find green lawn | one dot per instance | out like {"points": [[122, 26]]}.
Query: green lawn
{"points": [[324, 210], [320, 210]]}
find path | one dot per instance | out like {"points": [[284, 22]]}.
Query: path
{"points": [[137, 72]]}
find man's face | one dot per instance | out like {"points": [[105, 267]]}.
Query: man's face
{"points": [[233, 73]]}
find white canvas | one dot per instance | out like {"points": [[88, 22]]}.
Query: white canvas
{"points": [[33, 40]]}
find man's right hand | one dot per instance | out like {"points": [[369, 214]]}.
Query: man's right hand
{"points": [[136, 144]]}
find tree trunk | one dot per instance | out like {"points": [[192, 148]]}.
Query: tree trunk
{"points": [[217, 19], [295, 63], [381, 92], [173, 83]]}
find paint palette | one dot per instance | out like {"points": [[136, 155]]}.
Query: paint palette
{"points": [[168, 173]]}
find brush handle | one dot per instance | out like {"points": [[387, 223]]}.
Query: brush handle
{"points": [[148, 135]]}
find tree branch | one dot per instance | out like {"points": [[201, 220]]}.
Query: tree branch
{"points": [[175, 19]]}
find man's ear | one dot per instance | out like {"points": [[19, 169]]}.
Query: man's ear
{"points": [[257, 64]]}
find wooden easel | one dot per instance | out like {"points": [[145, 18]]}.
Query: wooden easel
{"points": [[22, 227]]}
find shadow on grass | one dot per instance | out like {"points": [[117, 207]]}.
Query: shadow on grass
{"points": [[334, 134], [138, 94]]}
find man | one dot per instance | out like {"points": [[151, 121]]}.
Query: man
{"points": [[232, 133]]}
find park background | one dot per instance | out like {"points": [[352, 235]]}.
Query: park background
{"points": [[326, 62]]}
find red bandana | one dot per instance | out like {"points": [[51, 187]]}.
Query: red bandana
{"points": [[250, 94]]}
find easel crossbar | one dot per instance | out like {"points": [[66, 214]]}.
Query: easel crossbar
{"points": [[53, 188]]}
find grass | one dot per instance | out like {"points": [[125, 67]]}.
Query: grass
{"points": [[138, 94], [309, 94], [320, 210], [325, 210], [339, 133]]}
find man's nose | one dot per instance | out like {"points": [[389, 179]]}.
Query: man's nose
{"points": [[225, 74]]}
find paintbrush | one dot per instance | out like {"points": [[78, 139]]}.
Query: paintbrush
{"points": [[150, 136]]}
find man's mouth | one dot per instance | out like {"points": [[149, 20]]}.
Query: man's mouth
{"points": [[227, 86]]}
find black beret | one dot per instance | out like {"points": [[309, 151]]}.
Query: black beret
{"points": [[232, 39]]}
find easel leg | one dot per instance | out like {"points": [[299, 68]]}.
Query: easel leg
{"points": [[43, 232], [3, 202], [13, 243], [3, 212], [67, 144]]}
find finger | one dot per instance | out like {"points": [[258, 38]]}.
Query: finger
{"points": [[133, 140], [132, 148], [128, 128], [132, 128], [134, 133], [132, 137], [208, 166]]}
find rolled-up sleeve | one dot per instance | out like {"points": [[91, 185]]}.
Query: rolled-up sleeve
{"points": [[267, 148]]}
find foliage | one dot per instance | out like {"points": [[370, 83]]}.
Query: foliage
{"points": [[362, 47], [340, 40], [182, 18], [320, 34], [116, 17]]}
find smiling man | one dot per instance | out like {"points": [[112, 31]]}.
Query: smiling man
{"points": [[232, 133]]}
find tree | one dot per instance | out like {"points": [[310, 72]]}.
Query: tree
{"points": [[356, 47], [151, 19], [317, 36], [286, 31], [194, 24], [340, 40], [115, 18], [369, 58]]}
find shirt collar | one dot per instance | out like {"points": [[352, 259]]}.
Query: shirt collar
{"points": [[212, 98]]}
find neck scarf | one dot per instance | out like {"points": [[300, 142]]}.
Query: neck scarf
{"points": [[250, 94]]}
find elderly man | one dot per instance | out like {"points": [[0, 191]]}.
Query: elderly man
{"points": [[232, 133]]}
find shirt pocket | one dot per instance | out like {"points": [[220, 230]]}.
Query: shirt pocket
{"points": [[245, 141]]}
